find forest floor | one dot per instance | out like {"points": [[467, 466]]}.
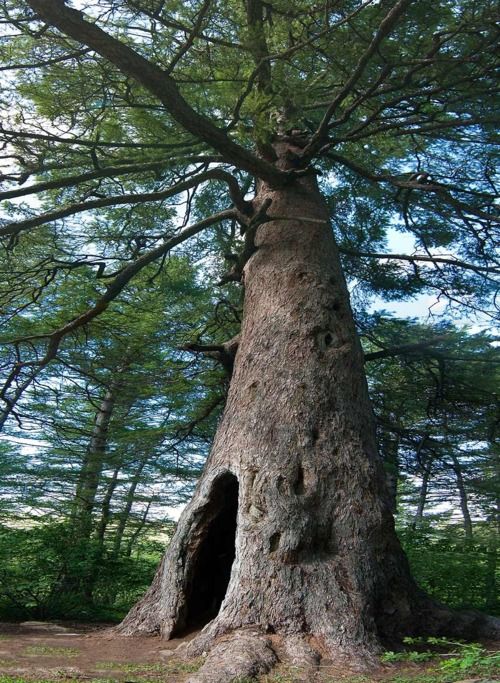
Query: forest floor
{"points": [[83, 653]]}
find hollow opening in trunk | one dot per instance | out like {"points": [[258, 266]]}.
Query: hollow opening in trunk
{"points": [[213, 554]]}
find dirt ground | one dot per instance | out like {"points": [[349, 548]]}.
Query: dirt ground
{"points": [[43, 651], [40, 651]]}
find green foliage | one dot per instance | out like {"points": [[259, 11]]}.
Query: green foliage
{"points": [[455, 573], [84, 518], [456, 657], [36, 559]]}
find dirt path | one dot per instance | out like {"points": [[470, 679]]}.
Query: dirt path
{"points": [[41, 651], [81, 653]]}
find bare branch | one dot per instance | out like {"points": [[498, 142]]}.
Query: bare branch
{"points": [[425, 259]]}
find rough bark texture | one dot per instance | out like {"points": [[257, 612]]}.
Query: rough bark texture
{"points": [[316, 554]]}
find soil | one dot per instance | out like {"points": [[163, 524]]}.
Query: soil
{"points": [[68, 651]]}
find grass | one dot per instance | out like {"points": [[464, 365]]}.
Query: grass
{"points": [[47, 651], [435, 660]]}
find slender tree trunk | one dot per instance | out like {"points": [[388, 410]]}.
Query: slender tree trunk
{"points": [[133, 538], [85, 497], [390, 455], [426, 468], [294, 489], [422, 498], [125, 513], [464, 503], [88, 481], [491, 592], [106, 508]]}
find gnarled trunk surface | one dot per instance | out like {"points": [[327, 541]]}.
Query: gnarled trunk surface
{"points": [[293, 489]]}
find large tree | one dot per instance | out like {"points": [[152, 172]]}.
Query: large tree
{"points": [[285, 119]]}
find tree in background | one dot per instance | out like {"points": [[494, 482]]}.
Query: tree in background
{"points": [[115, 416], [349, 114], [436, 406]]}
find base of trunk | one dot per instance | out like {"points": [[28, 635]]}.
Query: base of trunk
{"points": [[248, 652], [199, 585]]}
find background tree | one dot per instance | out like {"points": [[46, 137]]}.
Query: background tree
{"points": [[122, 412]]}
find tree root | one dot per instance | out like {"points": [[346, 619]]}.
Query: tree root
{"points": [[440, 620], [244, 653], [301, 656]]}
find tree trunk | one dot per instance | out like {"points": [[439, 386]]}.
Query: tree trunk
{"points": [[426, 468], [106, 509], [464, 503], [390, 456], [293, 489], [125, 514], [85, 500], [88, 481], [422, 498], [137, 531]]}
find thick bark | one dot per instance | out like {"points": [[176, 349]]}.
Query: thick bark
{"points": [[293, 488]]}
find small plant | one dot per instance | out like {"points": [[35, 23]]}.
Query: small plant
{"points": [[407, 656], [461, 657]]}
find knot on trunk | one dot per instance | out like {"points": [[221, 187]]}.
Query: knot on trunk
{"points": [[222, 353]]}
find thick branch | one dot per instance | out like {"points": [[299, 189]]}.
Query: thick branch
{"points": [[403, 349], [154, 79], [69, 181], [119, 283], [94, 144], [386, 26], [12, 229], [222, 353]]}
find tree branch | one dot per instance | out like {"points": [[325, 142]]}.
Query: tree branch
{"points": [[13, 229], [426, 259], [434, 188], [403, 349], [320, 136], [157, 81], [117, 285]]}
